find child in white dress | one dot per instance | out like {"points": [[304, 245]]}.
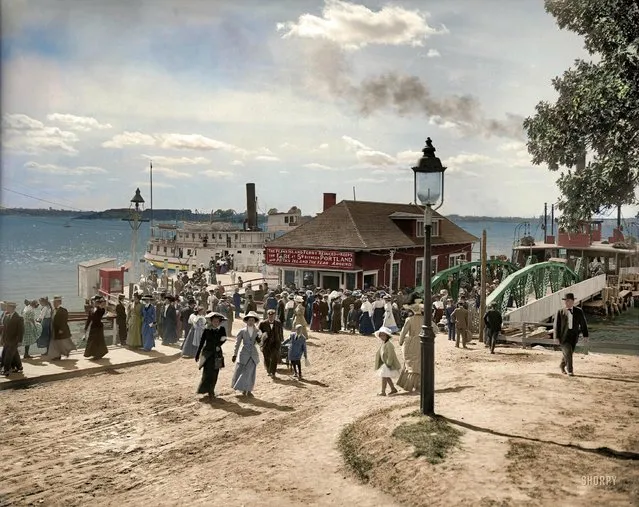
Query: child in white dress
{"points": [[386, 363]]}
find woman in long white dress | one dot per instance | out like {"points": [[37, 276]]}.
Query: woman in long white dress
{"points": [[389, 318], [410, 374], [32, 329], [246, 356], [192, 342]]}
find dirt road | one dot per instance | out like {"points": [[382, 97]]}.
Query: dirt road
{"points": [[140, 436]]}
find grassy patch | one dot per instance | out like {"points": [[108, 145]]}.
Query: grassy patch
{"points": [[582, 431], [432, 438], [350, 447], [522, 451]]}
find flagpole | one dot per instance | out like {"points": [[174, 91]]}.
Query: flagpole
{"points": [[151, 184]]}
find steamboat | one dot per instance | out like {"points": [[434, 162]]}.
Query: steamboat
{"points": [[187, 246]]}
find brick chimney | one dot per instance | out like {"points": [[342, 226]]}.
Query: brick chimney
{"points": [[329, 201]]}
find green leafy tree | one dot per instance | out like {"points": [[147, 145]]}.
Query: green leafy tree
{"points": [[597, 111]]}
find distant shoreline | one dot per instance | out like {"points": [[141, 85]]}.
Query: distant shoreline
{"points": [[172, 215]]}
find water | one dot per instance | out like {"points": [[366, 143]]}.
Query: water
{"points": [[39, 255]]}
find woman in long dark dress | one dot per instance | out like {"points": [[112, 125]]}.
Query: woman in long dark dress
{"points": [[96, 347], [210, 350]]}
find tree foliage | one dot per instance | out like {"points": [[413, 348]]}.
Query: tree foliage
{"points": [[597, 111]]}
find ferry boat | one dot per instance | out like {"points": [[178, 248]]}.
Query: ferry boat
{"points": [[187, 246], [582, 250]]}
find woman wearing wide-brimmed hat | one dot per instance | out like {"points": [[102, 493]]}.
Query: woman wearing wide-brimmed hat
{"points": [[209, 356], [410, 374], [386, 363], [246, 356], [96, 347], [300, 311]]}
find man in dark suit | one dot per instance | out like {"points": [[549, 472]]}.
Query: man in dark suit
{"points": [[169, 333], [120, 319], [272, 337], [569, 323], [12, 333]]}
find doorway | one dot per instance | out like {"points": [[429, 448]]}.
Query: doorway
{"points": [[331, 282], [369, 279]]}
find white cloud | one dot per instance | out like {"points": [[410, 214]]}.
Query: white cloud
{"points": [[512, 146], [23, 134], [82, 123], [237, 162], [323, 146], [267, 158], [318, 167], [167, 161], [63, 170], [158, 184], [368, 180], [288, 146], [468, 158], [374, 157], [353, 26], [354, 144], [283, 172], [168, 172], [433, 53], [211, 173], [130, 139], [194, 142], [409, 157]]}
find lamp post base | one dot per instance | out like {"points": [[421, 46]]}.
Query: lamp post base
{"points": [[427, 395]]}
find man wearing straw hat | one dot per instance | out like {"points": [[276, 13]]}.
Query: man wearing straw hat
{"points": [[13, 331]]}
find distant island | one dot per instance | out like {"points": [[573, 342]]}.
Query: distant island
{"points": [[229, 215]]}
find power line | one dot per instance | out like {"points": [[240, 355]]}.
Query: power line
{"points": [[41, 200]]}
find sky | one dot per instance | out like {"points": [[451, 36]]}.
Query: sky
{"points": [[299, 97]]}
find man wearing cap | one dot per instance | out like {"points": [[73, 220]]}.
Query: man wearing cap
{"points": [[120, 319], [570, 321], [13, 331], [272, 337], [270, 303]]}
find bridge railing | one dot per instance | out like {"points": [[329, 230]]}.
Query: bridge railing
{"points": [[547, 306]]}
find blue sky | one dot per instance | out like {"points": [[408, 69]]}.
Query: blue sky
{"points": [[222, 93]]}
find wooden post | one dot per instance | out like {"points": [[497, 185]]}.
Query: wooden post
{"points": [[482, 300]]}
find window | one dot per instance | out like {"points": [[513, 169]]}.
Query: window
{"points": [[456, 259], [395, 275], [370, 279], [434, 265], [419, 271], [434, 230], [285, 219], [239, 251], [351, 280]]}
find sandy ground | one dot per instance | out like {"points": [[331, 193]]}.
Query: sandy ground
{"points": [[140, 436]]}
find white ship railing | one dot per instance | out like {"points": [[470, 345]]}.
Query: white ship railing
{"points": [[546, 307]]}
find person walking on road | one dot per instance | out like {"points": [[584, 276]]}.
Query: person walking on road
{"points": [[246, 357], [569, 323], [461, 316], [209, 356], [272, 337], [493, 322], [12, 333]]}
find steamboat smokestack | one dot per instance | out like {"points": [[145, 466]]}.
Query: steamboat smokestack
{"points": [[251, 207]]}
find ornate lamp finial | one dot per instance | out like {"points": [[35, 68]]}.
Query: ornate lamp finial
{"points": [[429, 151]]}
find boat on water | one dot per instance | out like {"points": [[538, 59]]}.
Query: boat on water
{"points": [[187, 246], [582, 250]]}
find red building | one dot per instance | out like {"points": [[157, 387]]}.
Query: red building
{"points": [[353, 244]]}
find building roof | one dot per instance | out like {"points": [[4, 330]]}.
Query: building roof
{"points": [[362, 225]]}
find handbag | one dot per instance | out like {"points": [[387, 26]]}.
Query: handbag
{"points": [[219, 362]]}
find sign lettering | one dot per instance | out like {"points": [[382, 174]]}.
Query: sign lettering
{"points": [[310, 258]]}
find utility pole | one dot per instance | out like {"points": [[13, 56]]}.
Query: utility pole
{"points": [[482, 297]]}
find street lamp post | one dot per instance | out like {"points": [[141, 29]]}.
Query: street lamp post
{"points": [[429, 189], [135, 221]]}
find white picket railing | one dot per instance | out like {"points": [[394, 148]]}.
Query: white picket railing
{"points": [[546, 307]]}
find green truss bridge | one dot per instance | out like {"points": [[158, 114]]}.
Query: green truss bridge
{"points": [[533, 281], [455, 278]]}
